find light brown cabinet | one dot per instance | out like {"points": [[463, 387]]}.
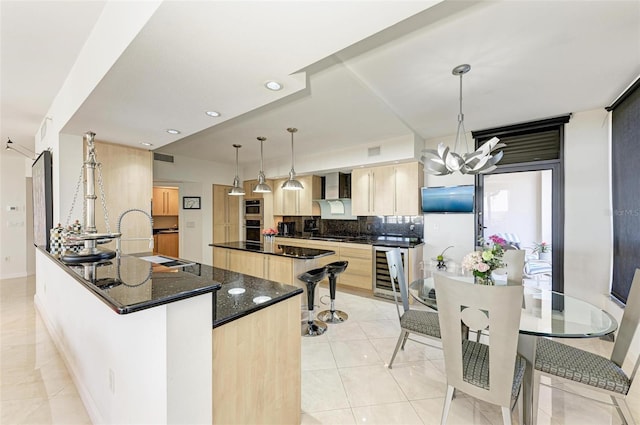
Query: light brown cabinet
{"points": [[168, 244], [297, 202], [248, 187], [226, 215], [387, 190], [359, 272], [165, 201]]}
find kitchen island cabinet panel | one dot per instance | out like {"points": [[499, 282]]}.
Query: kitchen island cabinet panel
{"points": [[244, 390]]}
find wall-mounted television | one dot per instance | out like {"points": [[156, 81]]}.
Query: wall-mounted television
{"points": [[450, 199]]}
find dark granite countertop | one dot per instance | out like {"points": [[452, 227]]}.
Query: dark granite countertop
{"points": [[276, 249], [391, 241], [230, 306], [130, 284]]}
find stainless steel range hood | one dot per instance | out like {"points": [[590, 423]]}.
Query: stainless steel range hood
{"points": [[336, 197]]}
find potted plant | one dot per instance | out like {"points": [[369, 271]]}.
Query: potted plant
{"points": [[543, 250]]}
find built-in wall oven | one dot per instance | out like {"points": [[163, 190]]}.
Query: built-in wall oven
{"points": [[253, 220], [382, 279]]}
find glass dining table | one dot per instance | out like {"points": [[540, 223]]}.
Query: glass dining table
{"points": [[545, 313]]}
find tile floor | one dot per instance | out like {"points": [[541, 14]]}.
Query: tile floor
{"points": [[345, 379]]}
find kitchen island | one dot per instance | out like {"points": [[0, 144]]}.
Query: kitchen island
{"points": [[278, 262], [138, 341]]}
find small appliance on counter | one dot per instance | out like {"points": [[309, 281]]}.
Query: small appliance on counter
{"points": [[311, 225], [286, 228]]}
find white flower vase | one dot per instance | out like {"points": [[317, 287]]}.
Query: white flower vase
{"points": [[545, 256]]}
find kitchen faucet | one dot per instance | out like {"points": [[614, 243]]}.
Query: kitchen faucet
{"points": [[120, 239]]}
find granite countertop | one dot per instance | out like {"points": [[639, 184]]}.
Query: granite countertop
{"points": [[129, 284], [391, 241], [276, 249], [232, 306]]}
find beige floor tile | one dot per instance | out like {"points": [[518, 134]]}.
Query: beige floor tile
{"points": [[59, 410], [355, 353], [322, 390], [461, 412], [420, 380], [384, 414], [345, 331], [317, 356], [331, 417], [370, 385], [386, 328], [412, 352], [15, 411]]}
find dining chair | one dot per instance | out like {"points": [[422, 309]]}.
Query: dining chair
{"points": [[420, 322], [514, 264], [592, 370], [490, 372]]}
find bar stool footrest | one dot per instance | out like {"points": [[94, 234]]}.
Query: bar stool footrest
{"points": [[336, 316]]}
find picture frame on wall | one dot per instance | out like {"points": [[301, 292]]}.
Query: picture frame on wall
{"points": [[190, 202], [42, 178]]}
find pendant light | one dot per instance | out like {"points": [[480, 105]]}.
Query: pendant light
{"points": [[236, 190], [292, 183], [443, 161], [262, 186]]}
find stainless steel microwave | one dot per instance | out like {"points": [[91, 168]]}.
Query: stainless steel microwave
{"points": [[253, 208]]}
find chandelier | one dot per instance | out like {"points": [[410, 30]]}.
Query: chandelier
{"points": [[443, 161]]}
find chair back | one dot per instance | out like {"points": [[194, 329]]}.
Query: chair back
{"points": [[514, 264], [629, 324], [396, 272], [497, 308]]}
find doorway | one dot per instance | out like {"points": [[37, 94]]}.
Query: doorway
{"points": [[522, 204]]}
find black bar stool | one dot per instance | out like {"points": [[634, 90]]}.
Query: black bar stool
{"points": [[332, 315], [312, 327]]}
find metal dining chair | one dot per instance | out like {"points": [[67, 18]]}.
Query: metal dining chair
{"points": [[490, 372], [423, 323], [592, 370]]}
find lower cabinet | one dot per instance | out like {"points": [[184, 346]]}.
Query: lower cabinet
{"points": [[271, 267], [359, 272], [167, 244], [257, 367]]}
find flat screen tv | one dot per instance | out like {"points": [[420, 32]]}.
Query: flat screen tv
{"points": [[450, 199]]}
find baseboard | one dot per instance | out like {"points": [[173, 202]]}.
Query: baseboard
{"points": [[14, 275], [85, 395]]}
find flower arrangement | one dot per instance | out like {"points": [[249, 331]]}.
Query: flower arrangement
{"points": [[270, 232], [483, 263], [541, 247]]}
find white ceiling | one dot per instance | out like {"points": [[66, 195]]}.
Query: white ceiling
{"points": [[529, 59]]}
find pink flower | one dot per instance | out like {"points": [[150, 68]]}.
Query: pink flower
{"points": [[483, 267]]}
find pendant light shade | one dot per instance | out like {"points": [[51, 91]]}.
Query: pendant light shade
{"points": [[237, 189], [292, 183], [443, 161], [262, 186]]}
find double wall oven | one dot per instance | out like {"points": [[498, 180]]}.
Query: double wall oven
{"points": [[253, 224]]}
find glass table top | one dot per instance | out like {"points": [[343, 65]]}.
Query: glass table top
{"points": [[544, 312]]}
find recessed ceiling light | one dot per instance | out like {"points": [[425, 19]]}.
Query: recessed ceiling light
{"points": [[213, 113], [146, 144], [173, 131], [273, 85]]}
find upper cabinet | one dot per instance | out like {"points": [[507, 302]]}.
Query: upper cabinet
{"points": [[249, 185], [165, 201], [387, 190], [297, 202]]}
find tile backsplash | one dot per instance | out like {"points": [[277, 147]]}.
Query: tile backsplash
{"points": [[406, 226]]}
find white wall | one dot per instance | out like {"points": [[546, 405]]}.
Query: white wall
{"points": [[195, 177], [13, 224]]}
